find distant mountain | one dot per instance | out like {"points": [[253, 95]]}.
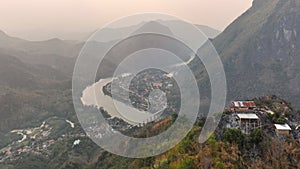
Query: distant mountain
{"points": [[54, 53], [208, 31], [53, 46], [153, 26], [30, 93], [110, 34], [134, 43], [61, 54], [16, 74], [35, 81], [261, 51]]}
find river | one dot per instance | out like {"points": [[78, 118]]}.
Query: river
{"points": [[94, 96]]}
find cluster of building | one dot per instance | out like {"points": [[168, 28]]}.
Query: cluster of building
{"points": [[140, 87], [35, 140], [245, 116]]}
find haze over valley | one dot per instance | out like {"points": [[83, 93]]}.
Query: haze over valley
{"points": [[258, 44]]}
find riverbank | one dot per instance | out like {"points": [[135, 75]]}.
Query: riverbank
{"points": [[93, 96]]}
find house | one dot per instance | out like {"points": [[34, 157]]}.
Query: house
{"points": [[248, 122], [169, 75], [242, 105], [159, 85], [282, 129]]}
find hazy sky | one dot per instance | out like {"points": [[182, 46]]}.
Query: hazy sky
{"points": [[43, 19]]}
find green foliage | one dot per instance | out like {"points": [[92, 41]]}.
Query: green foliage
{"points": [[71, 164], [219, 163], [281, 120], [234, 136], [187, 163], [163, 164], [5, 139], [110, 161], [256, 136], [141, 163], [270, 116], [31, 161], [277, 113], [184, 146], [200, 123]]}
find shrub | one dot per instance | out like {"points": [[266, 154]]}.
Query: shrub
{"points": [[234, 136], [256, 136]]}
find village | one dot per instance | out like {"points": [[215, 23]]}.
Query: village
{"points": [[140, 88], [247, 116], [35, 140], [38, 140]]}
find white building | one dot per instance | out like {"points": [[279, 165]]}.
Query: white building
{"points": [[248, 122], [282, 129]]}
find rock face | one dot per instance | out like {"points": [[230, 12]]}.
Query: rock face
{"points": [[261, 51]]}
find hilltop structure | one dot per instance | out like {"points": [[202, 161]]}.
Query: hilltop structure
{"points": [[243, 116], [282, 129], [242, 105], [248, 122]]}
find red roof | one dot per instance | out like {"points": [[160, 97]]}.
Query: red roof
{"points": [[249, 104], [243, 104]]}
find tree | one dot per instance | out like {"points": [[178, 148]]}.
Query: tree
{"points": [[281, 120], [256, 136], [234, 136]]}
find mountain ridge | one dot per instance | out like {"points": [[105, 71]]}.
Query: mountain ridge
{"points": [[260, 51]]}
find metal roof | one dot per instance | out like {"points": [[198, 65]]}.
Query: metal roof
{"points": [[243, 104], [248, 116], [282, 127]]}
